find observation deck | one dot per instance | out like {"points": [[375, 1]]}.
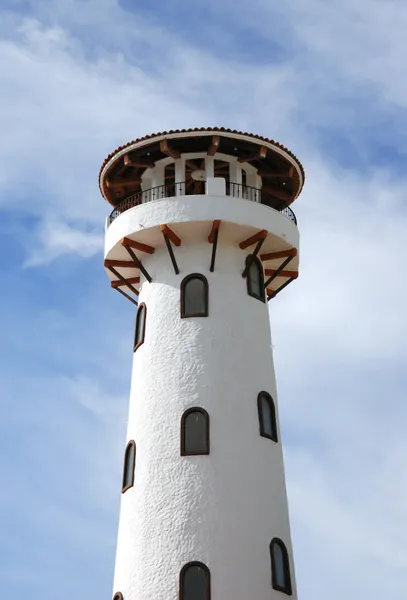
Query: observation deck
{"points": [[193, 180]]}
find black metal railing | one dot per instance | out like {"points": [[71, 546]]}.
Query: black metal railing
{"points": [[237, 190]]}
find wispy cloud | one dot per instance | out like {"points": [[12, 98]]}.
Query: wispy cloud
{"points": [[79, 78]]}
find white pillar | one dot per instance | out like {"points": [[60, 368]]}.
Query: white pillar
{"points": [[179, 177], [235, 175]]}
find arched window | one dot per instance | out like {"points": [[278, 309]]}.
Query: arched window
{"points": [[194, 432], [195, 582], [128, 468], [194, 296], [140, 328], [280, 567], [267, 416], [255, 278], [118, 596]]}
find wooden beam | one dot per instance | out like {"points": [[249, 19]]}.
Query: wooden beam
{"points": [[139, 264], [126, 296], [260, 235], [120, 263], [279, 270], [279, 254], [119, 283], [214, 147], [278, 290], [112, 185], [259, 152], [137, 245], [170, 251], [137, 162], [124, 280], [292, 274], [171, 235], [213, 239], [166, 149], [215, 226], [252, 256]]}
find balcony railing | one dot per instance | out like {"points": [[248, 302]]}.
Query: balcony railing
{"points": [[236, 190]]}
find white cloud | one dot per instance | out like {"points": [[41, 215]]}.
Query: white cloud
{"points": [[79, 79]]}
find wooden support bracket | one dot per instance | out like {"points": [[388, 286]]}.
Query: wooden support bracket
{"points": [[278, 290], [119, 283], [138, 264], [127, 296], [120, 263], [166, 149], [291, 274], [280, 254], [279, 270], [260, 235], [167, 231], [214, 147], [213, 239], [137, 245], [123, 280]]}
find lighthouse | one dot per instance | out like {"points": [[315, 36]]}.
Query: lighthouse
{"points": [[201, 238]]}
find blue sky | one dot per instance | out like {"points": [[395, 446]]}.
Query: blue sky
{"points": [[79, 77]]}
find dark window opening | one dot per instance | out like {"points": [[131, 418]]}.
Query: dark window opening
{"points": [[194, 296], [118, 596], [129, 464], [280, 567], [255, 278], [195, 582], [140, 327], [267, 416], [195, 432]]}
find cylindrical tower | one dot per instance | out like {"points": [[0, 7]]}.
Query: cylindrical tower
{"points": [[201, 237]]}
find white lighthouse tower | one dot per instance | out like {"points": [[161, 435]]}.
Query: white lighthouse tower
{"points": [[200, 238]]}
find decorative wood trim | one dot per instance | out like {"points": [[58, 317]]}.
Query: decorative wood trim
{"points": [[259, 266], [277, 271], [139, 264], [166, 149], [126, 296], [259, 152], [280, 254], [215, 226], [184, 283], [213, 239], [182, 595], [252, 256], [278, 290], [171, 253], [127, 485], [260, 235], [137, 245], [292, 274], [120, 263], [274, 435], [141, 314], [214, 147], [124, 280], [286, 589], [138, 162], [171, 235], [207, 432], [118, 283]]}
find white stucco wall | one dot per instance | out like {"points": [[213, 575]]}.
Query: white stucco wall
{"points": [[222, 509]]}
